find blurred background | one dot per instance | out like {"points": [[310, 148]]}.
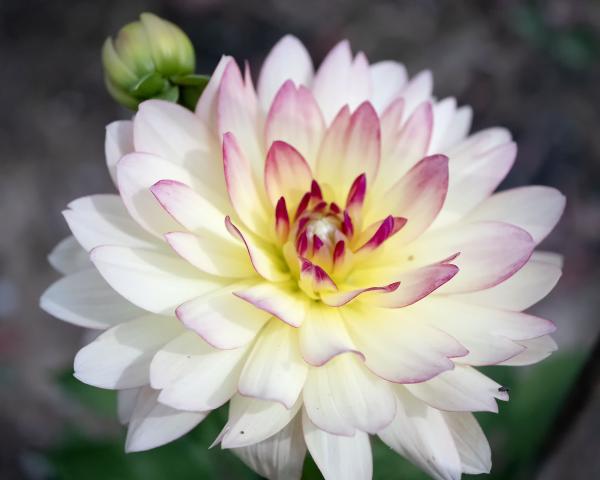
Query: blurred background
{"points": [[533, 67]]}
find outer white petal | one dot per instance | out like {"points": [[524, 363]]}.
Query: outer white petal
{"points": [[120, 357], [117, 143], [85, 299], [252, 420], [536, 350], [343, 395], [274, 369], [416, 91], [420, 433], [460, 390], [206, 108], [136, 173], [288, 60], [175, 134], [535, 209], [280, 457], [153, 424], [126, 401], [525, 288], [473, 448], [68, 256], [443, 115], [461, 124], [193, 375], [103, 220], [490, 335], [157, 282], [339, 456], [387, 80], [221, 319]]}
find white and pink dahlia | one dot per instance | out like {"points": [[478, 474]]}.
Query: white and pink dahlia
{"points": [[325, 253]]}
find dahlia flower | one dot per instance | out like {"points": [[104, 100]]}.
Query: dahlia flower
{"points": [[324, 252]]}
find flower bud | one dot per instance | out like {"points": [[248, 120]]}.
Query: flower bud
{"points": [[150, 58]]}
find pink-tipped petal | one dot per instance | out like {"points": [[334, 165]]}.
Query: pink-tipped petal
{"points": [[380, 232], [295, 118], [419, 196], [314, 280], [282, 221], [338, 299], [286, 173]]}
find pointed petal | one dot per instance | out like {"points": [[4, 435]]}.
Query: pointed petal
{"points": [[490, 252], [387, 80], [534, 209], [473, 448], [280, 457], [283, 301], [286, 173], [463, 389], [394, 345], [339, 456], [274, 369], [103, 220], [193, 375], [461, 124], [120, 357], [420, 434], [323, 335], [525, 288], [343, 395], [252, 420], [153, 424], [338, 299], [490, 335], [154, 281], [85, 299], [536, 350], [443, 116], [418, 196], [223, 321], [288, 60], [417, 91], [69, 257], [206, 108], [295, 118], [117, 143], [352, 146]]}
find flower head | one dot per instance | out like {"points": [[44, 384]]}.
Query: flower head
{"points": [[325, 253]]}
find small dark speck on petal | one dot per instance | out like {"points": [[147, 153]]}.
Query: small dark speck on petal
{"points": [[411, 258], [504, 389]]}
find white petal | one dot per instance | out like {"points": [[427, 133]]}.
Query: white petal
{"points": [[417, 91], [535, 351], [420, 433], [117, 143], [274, 369], [525, 288], [252, 420], [120, 357], [68, 256], [387, 80], [443, 116], [193, 375], [206, 108], [534, 209], [343, 395], [136, 173], [157, 282], [280, 457], [490, 335], [473, 448], [459, 390], [323, 335], [103, 220], [288, 60], [221, 319], [85, 299], [460, 126], [339, 456], [126, 401], [399, 346], [153, 424]]}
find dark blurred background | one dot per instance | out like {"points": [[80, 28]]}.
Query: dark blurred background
{"points": [[533, 67]]}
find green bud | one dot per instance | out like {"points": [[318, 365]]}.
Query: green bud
{"points": [[148, 59]]}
